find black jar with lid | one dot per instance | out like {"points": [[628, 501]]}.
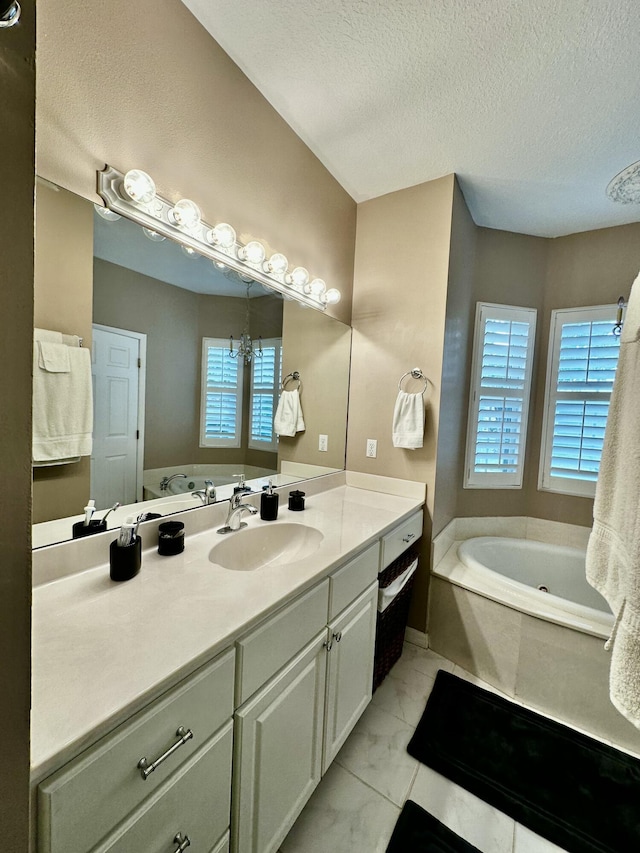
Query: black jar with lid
{"points": [[296, 500]]}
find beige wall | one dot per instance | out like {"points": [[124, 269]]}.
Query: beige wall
{"points": [[454, 397], [62, 302], [143, 85], [317, 347], [399, 309], [17, 87]]}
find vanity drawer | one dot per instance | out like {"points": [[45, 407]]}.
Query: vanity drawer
{"points": [[353, 578], [79, 805], [267, 649], [195, 803], [399, 539]]}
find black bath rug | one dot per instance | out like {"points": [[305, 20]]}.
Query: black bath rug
{"points": [[579, 793], [417, 831]]}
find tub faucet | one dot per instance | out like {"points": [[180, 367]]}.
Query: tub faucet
{"points": [[164, 482], [234, 517], [206, 495]]}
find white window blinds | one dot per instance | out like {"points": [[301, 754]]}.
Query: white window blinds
{"points": [[221, 397], [583, 355], [266, 375], [499, 398]]}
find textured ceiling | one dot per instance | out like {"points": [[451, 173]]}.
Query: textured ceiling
{"points": [[534, 104]]}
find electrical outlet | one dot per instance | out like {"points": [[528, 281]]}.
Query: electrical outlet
{"points": [[372, 447], [323, 442]]}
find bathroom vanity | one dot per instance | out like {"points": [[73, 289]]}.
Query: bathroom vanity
{"points": [[199, 706]]}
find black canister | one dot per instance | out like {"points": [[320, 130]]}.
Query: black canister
{"points": [[269, 504], [80, 529], [170, 538], [296, 500], [125, 560]]}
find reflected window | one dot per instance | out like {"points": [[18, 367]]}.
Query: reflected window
{"points": [[266, 376], [221, 399]]}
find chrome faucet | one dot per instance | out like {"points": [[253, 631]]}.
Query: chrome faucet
{"points": [[206, 495], [164, 482], [234, 517]]}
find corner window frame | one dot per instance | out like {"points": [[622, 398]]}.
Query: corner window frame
{"points": [[253, 443], [205, 389]]}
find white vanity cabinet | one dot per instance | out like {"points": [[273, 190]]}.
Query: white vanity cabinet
{"points": [[101, 799], [290, 730]]}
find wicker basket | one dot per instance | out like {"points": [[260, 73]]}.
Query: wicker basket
{"points": [[392, 621]]}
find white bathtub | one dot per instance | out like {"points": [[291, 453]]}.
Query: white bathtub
{"points": [[512, 572]]}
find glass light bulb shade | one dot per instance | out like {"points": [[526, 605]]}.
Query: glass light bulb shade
{"points": [[186, 213], [153, 235], [317, 287], [298, 277], [219, 265], [189, 252], [332, 296], [105, 213], [139, 186], [277, 264], [253, 252], [222, 235], [245, 278], [11, 16]]}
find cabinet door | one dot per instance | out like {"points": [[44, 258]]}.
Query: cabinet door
{"points": [[278, 752], [350, 670]]}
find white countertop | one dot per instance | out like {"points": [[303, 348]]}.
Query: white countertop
{"points": [[102, 650]]}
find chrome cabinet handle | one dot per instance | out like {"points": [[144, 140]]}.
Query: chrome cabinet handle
{"points": [[147, 769], [409, 537], [338, 636], [183, 841], [328, 645]]}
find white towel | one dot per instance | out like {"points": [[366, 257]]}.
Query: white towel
{"points": [[54, 358], [288, 419], [613, 552], [62, 401], [408, 421]]}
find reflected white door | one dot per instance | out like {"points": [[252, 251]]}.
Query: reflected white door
{"points": [[116, 386]]}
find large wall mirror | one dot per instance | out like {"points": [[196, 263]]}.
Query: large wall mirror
{"points": [[157, 320]]}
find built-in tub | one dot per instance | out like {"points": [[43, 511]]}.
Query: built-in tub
{"points": [[538, 578]]}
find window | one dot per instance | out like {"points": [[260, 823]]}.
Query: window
{"points": [[266, 375], [221, 398], [583, 355], [499, 399]]}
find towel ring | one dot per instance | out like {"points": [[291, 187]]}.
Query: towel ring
{"points": [[416, 373], [295, 376]]}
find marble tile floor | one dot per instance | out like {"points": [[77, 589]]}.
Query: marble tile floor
{"points": [[357, 803]]}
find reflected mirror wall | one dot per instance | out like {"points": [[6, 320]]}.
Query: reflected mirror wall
{"points": [[91, 272]]}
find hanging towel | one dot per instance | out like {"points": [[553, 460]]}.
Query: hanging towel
{"points": [[62, 399], [613, 552], [408, 421], [288, 419]]}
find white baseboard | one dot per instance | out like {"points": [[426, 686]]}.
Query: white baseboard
{"points": [[411, 635]]}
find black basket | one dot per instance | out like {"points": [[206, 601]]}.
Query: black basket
{"points": [[392, 622]]}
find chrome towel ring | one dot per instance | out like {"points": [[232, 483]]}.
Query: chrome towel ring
{"points": [[416, 373], [294, 376]]}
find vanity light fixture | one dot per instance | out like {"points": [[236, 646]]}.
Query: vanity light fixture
{"points": [[185, 213], [317, 287], [189, 252], [625, 187], [253, 252], [9, 14], [298, 277], [134, 196]]}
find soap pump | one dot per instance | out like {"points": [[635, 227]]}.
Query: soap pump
{"points": [[269, 503]]}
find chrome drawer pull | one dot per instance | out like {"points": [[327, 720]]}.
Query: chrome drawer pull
{"points": [[184, 842], [409, 537], [328, 645], [147, 769], [337, 637]]}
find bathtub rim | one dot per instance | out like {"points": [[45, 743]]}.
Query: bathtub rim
{"points": [[526, 599]]}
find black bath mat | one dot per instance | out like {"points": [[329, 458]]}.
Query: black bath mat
{"points": [[417, 831], [577, 792]]}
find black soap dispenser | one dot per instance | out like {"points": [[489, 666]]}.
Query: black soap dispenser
{"points": [[269, 503]]}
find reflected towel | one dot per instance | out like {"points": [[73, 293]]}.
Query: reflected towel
{"points": [[54, 358], [408, 421], [613, 552], [62, 400], [288, 419]]}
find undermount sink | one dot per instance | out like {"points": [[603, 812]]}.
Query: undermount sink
{"points": [[252, 548]]}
